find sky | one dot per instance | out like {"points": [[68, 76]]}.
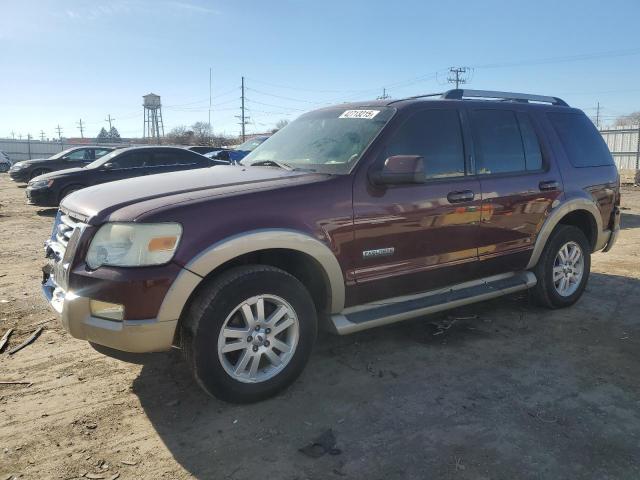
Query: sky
{"points": [[66, 60]]}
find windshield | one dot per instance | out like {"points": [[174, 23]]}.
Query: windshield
{"points": [[250, 145], [104, 159], [61, 154], [329, 140]]}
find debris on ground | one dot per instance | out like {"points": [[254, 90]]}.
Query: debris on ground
{"points": [[29, 340], [322, 445], [19, 382], [5, 339]]}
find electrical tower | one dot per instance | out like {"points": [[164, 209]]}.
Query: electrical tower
{"points": [[384, 95], [82, 128], [243, 117], [458, 75], [153, 127]]}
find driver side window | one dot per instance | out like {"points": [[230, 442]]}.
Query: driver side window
{"points": [[435, 135]]}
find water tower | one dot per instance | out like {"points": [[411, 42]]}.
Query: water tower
{"points": [[153, 126]]}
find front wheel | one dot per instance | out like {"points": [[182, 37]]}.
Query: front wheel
{"points": [[563, 268], [249, 333]]}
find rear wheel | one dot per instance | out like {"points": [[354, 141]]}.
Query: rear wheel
{"points": [[249, 333], [564, 267]]}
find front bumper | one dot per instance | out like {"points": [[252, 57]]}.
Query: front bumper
{"points": [[43, 197], [19, 175], [137, 336]]}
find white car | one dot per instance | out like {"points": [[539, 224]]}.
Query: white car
{"points": [[5, 163]]}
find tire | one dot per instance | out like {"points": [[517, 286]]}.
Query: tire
{"points": [[222, 304], [550, 293], [70, 190], [37, 172], [4, 167]]}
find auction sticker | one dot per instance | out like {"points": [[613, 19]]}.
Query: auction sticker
{"points": [[364, 114]]}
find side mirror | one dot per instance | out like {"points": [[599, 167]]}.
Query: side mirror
{"points": [[399, 170], [108, 166]]}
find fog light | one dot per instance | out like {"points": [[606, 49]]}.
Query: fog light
{"points": [[111, 311]]}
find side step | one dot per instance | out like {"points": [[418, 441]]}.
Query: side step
{"points": [[363, 317]]}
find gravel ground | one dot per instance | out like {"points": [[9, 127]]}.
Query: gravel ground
{"points": [[498, 390]]}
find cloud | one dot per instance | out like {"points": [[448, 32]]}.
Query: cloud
{"points": [[192, 7]]}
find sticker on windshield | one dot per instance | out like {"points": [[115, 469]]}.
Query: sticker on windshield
{"points": [[365, 114]]}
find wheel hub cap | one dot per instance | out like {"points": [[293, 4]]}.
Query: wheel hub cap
{"points": [[568, 269], [258, 339]]}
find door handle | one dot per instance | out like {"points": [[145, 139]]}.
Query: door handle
{"points": [[463, 196], [549, 186]]}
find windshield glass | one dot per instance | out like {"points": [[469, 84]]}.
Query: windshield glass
{"points": [[104, 159], [251, 144], [61, 154], [329, 140]]}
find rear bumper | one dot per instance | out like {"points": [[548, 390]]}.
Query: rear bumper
{"points": [[136, 336], [615, 230]]}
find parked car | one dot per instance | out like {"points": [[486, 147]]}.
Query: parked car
{"points": [[49, 189], [237, 153], [350, 217], [73, 157], [5, 163], [202, 149]]}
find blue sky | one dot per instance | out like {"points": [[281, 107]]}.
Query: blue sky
{"points": [[62, 60]]}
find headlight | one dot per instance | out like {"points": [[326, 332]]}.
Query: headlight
{"points": [[134, 244], [41, 183], [17, 166]]}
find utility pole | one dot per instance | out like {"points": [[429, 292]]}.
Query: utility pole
{"points": [[457, 75], [243, 118], [59, 129], [13, 135], [42, 135], [82, 128], [384, 95], [109, 119], [598, 116], [29, 145], [210, 126]]}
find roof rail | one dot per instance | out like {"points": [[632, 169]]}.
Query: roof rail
{"points": [[416, 96], [459, 94]]}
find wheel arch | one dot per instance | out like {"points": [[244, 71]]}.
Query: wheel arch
{"points": [[301, 255], [579, 212]]}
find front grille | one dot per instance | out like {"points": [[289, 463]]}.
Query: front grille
{"points": [[63, 228]]}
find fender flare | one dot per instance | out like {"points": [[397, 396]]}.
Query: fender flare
{"points": [[554, 218], [221, 252]]}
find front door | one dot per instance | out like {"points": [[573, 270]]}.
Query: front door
{"points": [[518, 184], [417, 237]]}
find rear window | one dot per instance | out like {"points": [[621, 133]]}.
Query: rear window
{"points": [[582, 142]]}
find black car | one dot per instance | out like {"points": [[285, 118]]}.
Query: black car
{"points": [[73, 157], [49, 189]]}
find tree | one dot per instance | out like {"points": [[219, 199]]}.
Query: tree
{"points": [[179, 135], [628, 120], [201, 133], [280, 125], [103, 136], [113, 135]]}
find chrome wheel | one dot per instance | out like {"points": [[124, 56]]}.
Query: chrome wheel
{"points": [[568, 269], [258, 339]]}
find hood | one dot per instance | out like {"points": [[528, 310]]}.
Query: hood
{"points": [[59, 173], [33, 161], [95, 203]]}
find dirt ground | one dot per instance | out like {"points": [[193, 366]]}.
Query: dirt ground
{"points": [[499, 390]]}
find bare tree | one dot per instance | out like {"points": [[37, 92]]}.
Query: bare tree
{"points": [[626, 120], [179, 135], [280, 125], [201, 133]]}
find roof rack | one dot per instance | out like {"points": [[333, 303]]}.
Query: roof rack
{"points": [[459, 94]]}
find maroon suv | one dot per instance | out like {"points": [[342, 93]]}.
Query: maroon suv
{"points": [[351, 217]]}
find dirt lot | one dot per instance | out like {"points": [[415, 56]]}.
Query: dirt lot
{"points": [[500, 390]]}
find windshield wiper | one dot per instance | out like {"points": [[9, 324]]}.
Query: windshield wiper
{"points": [[271, 163]]}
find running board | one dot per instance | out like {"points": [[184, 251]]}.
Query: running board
{"points": [[363, 317]]}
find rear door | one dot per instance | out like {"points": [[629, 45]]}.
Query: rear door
{"points": [[171, 160], [519, 183], [79, 157]]}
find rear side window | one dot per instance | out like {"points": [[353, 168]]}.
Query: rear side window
{"points": [[582, 142], [132, 160], [159, 159], [187, 157], [436, 136], [532, 153]]}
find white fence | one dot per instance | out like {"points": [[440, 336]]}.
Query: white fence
{"points": [[27, 149], [624, 144]]}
